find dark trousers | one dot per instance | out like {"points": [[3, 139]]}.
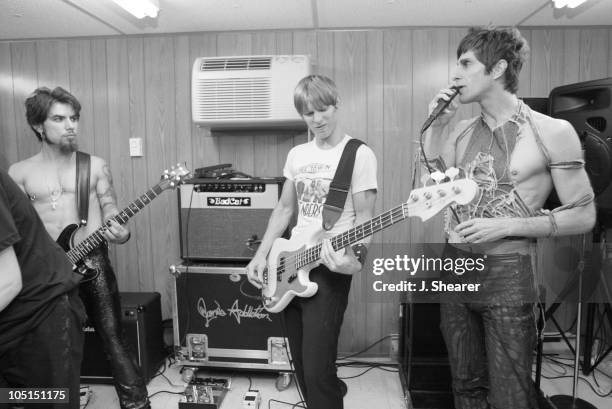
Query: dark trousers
{"points": [[313, 326], [50, 355], [490, 344], [101, 299]]}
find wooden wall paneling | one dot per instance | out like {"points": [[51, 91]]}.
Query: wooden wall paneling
{"points": [[542, 43], [236, 147], [141, 228], [265, 142], [396, 160], [100, 100], [161, 152], [8, 131], [25, 80], [350, 76], [571, 56], [52, 63], [430, 74], [81, 86], [380, 309], [593, 54], [126, 266], [182, 111], [205, 146], [395, 164], [284, 42], [325, 54]]}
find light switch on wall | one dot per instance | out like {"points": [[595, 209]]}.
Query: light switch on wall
{"points": [[135, 146]]}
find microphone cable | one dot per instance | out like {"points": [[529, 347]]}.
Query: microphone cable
{"points": [[442, 105]]}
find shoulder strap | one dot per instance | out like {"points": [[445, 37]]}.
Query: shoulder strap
{"points": [[83, 172], [339, 186]]}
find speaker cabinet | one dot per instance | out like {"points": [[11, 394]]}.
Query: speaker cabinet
{"points": [[424, 369], [218, 323], [141, 321], [223, 220], [588, 107]]}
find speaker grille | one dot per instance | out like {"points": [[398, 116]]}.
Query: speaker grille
{"points": [[597, 122]]}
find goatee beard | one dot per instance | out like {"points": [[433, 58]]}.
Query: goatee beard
{"points": [[69, 146]]}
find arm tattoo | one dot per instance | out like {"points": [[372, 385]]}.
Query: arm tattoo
{"points": [[108, 198]]}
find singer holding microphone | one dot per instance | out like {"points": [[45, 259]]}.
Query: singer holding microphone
{"points": [[517, 157]]}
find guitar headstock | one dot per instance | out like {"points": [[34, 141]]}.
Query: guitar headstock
{"points": [[174, 176], [427, 201]]}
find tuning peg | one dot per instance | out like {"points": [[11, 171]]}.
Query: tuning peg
{"points": [[452, 173], [438, 176]]}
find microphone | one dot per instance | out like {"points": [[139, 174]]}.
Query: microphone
{"points": [[442, 104]]}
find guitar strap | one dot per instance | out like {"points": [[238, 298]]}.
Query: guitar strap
{"points": [[83, 173], [339, 186]]}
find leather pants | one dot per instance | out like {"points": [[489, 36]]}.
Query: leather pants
{"points": [[100, 296]]}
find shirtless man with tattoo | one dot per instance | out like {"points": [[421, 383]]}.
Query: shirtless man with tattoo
{"points": [[49, 180]]}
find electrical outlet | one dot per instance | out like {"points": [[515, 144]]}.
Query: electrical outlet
{"points": [[135, 147]]}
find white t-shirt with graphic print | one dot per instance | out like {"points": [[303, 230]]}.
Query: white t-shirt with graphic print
{"points": [[311, 169]]}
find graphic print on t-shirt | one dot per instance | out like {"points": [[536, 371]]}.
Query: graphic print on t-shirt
{"points": [[312, 185]]}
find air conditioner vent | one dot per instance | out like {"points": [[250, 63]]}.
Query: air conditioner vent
{"points": [[236, 64], [233, 98], [247, 91]]}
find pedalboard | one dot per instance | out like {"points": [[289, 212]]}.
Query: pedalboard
{"points": [[205, 393]]}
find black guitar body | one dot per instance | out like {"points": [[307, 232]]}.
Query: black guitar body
{"points": [[65, 241]]}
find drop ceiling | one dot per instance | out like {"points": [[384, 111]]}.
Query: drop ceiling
{"points": [[26, 19]]}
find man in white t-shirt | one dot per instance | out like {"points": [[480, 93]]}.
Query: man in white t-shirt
{"points": [[313, 324]]}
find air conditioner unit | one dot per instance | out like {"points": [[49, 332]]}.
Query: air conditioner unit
{"points": [[247, 91]]}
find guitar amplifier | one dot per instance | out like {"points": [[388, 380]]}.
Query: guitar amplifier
{"points": [[142, 327], [219, 322], [224, 219]]}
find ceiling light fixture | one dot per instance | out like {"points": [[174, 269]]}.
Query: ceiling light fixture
{"points": [[559, 4], [139, 8]]}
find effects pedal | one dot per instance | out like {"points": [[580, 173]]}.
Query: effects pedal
{"points": [[204, 393], [84, 395], [251, 400]]}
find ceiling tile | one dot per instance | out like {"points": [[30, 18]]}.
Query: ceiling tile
{"points": [[21, 19], [390, 13], [226, 15]]}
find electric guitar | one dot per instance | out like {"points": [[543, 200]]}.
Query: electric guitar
{"points": [[289, 261], [76, 253]]}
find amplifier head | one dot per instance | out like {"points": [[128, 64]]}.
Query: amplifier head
{"points": [[224, 219]]}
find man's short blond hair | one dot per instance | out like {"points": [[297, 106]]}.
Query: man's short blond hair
{"points": [[318, 91]]}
